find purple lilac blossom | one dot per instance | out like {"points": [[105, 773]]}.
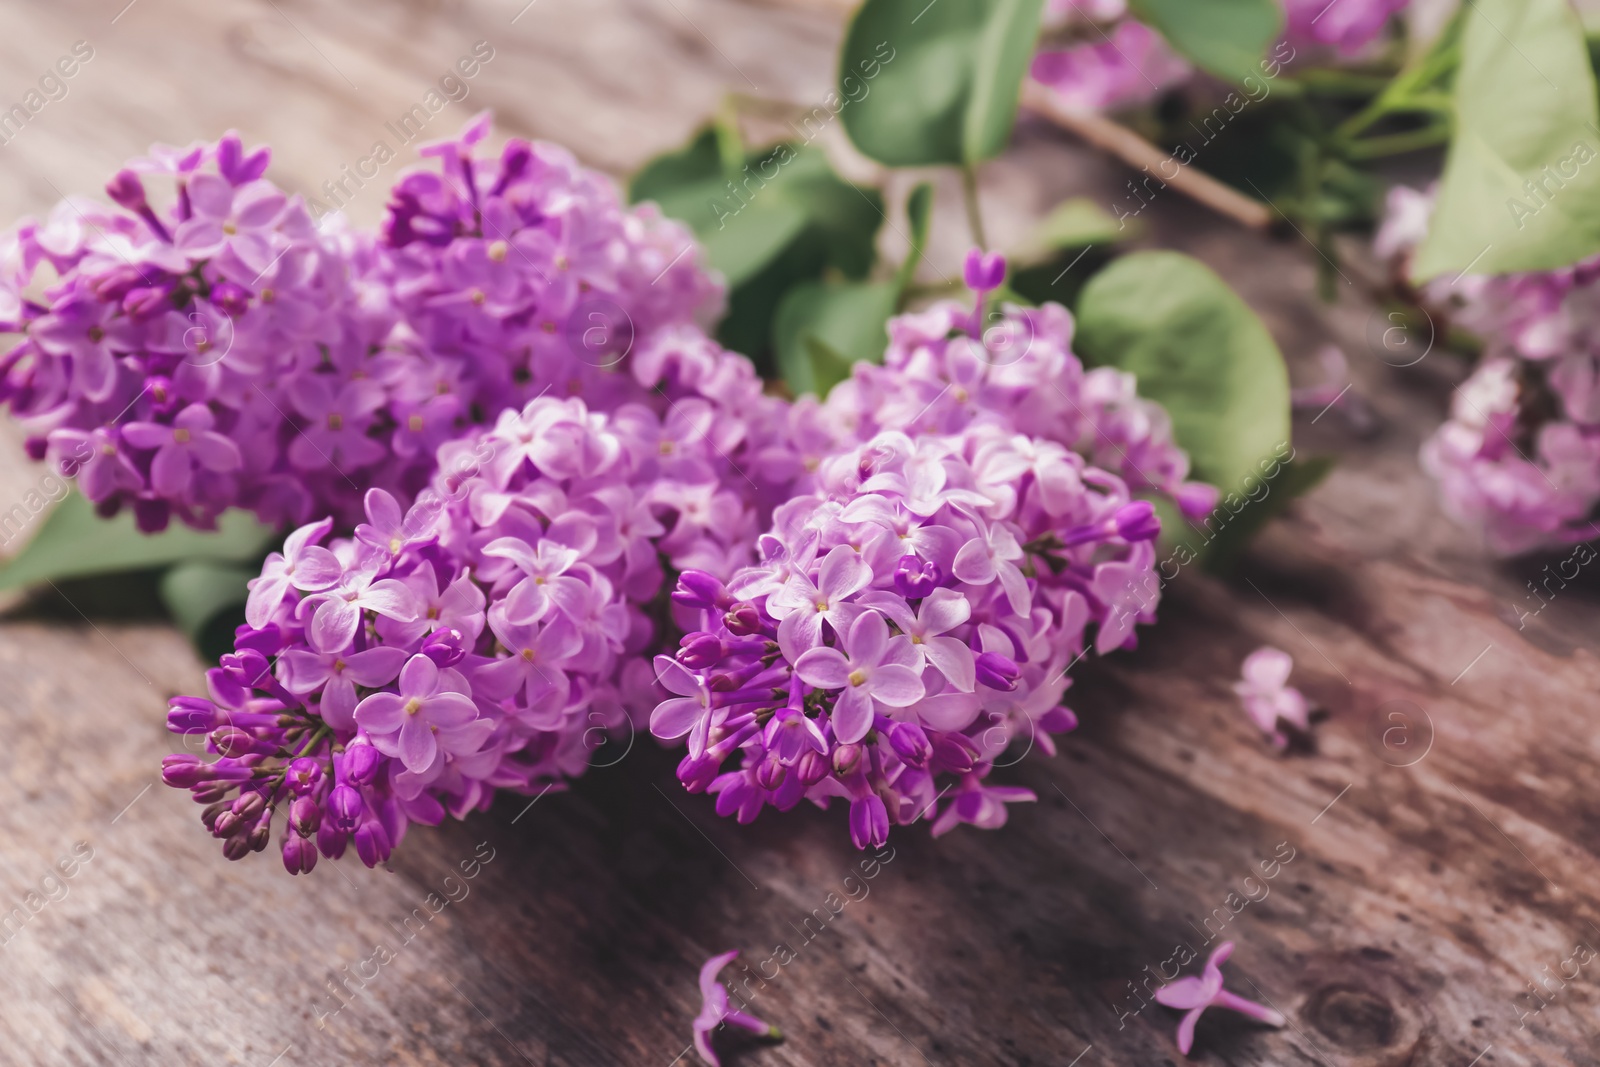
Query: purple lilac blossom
{"points": [[1519, 456], [488, 637], [1194, 996], [715, 1012], [1267, 696], [911, 618], [226, 350]]}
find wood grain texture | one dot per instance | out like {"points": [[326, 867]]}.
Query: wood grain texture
{"points": [[1419, 902]]}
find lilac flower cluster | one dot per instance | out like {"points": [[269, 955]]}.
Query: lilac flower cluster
{"points": [[225, 351], [909, 620], [1519, 456], [489, 637], [951, 367]]}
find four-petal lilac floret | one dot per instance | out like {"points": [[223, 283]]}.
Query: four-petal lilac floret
{"points": [[1194, 995]]}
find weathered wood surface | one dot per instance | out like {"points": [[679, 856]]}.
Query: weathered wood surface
{"points": [[1420, 901]]}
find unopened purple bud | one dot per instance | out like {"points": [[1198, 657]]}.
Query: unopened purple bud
{"points": [[246, 666], [983, 272], [812, 767], [115, 283], [231, 297], [1137, 521], [445, 648], [845, 759], [305, 816], [1196, 499], [697, 772], [346, 807], [236, 847], [299, 856], [303, 775], [915, 577], [212, 812], [182, 770], [697, 589], [700, 651], [36, 448], [910, 743], [331, 840], [151, 515], [232, 742], [742, 620], [145, 302], [225, 823], [770, 773], [372, 843], [360, 763], [191, 715], [953, 753], [998, 672], [249, 805], [268, 640], [258, 837], [126, 190]]}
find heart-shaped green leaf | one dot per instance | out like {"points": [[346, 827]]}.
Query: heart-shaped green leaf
{"points": [[1223, 37], [1198, 350], [1521, 186]]}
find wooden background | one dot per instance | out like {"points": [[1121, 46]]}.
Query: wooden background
{"points": [[1420, 902]]}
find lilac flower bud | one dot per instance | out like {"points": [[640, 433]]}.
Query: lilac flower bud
{"points": [[303, 775], [697, 773], [249, 805], [812, 767], [953, 753], [225, 823], [910, 743], [211, 792], [184, 771], [298, 854], [268, 640], [237, 846], [151, 516], [700, 651], [869, 821], [1137, 521], [191, 715], [147, 301], [126, 190], [445, 648], [346, 807], [246, 666], [258, 837], [983, 273], [232, 742], [697, 589], [114, 284], [305, 816], [998, 672], [372, 843], [360, 763], [36, 448], [770, 773], [209, 816], [742, 619], [331, 840], [1196, 499], [845, 759], [231, 298], [915, 577]]}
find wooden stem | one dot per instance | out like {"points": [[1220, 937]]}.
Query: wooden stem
{"points": [[1136, 152]]}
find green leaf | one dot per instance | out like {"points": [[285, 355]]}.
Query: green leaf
{"points": [[201, 593], [823, 327], [74, 542], [781, 218], [941, 79], [1223, 37], [1074, 223], [1197, 349], [919, 210], [1525, 112]]}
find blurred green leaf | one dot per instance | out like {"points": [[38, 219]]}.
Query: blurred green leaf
{"points": [[74, 542], [823, 327], [1223, 37], [1521, 185], [1198, 350], [1072, 224], [781, 218], [206, 600], [919, 210], [943, 78]]}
